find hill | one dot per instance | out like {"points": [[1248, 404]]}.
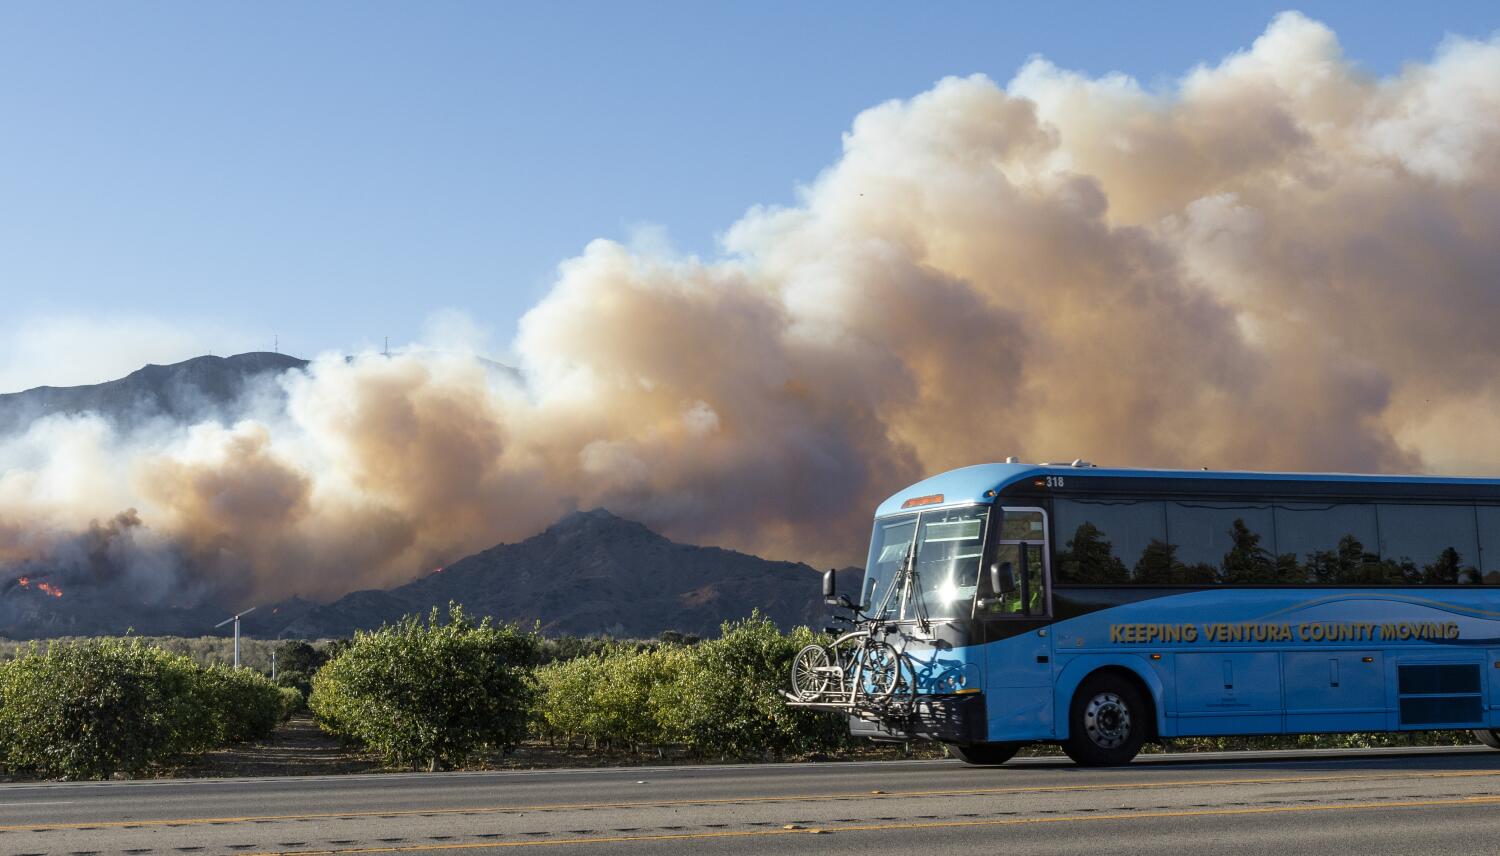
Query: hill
{"points": [[594, 573], [195, 389], [591, 573]]}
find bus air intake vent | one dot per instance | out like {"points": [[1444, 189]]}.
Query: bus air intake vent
{"points": [[1440, 695]]}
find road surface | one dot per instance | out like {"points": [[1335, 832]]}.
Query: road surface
{"points": [[1347, 802]]}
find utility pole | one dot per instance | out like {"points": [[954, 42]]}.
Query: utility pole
{"points": [[236, 620], [387, 350], [276, 343], [273, 666]]}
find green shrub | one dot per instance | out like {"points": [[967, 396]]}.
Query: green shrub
{"points": [[93, 708], [563, 648], [434, 693], [297, 662], [292, 701], [719, 698], [246, 705], [728, 701], [565, 699], [610, 698]]}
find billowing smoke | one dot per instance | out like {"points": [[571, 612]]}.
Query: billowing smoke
{"points": [[1278, 263]]}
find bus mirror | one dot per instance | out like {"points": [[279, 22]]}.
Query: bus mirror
{"points": [[1002, 578], [828, 587]]}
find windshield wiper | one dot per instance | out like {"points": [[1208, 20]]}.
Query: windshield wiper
{"points": [[912, 579]]}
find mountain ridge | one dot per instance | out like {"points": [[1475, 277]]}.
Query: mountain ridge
{"points": [[580, 576], [186, 391], [590, 573]]}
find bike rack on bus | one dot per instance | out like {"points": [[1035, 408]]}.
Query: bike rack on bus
{"points": [[891, 710]]}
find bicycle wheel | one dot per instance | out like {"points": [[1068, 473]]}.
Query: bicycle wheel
{"points": [[810, 673], [882, 668]]}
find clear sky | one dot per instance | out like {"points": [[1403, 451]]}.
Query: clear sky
{"points": [[334, 172]]}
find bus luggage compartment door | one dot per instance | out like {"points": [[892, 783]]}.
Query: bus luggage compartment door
{"points": [[1334, 691], [1228, 693], [1019, 684]]}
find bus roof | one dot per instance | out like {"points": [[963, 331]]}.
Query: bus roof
{"points": [[980, 483]]}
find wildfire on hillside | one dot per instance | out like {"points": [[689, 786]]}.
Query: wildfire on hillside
{"points": [[41, 586]]}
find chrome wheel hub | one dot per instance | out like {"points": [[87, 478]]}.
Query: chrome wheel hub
{"points": [[1106, 720]]}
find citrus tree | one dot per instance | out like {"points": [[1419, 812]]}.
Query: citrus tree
{"points": [[433, 693], [727, 702], [609, 699], [93, 708]]}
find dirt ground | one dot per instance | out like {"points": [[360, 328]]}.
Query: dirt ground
{"points": [[296, 748]]}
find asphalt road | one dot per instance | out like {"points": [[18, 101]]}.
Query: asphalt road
{"points": [[1355, 802]]}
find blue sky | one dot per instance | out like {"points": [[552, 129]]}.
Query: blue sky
{"points": [[333, 173]]}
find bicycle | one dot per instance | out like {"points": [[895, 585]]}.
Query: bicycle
{"points": [[860, 669], [856, 667]]}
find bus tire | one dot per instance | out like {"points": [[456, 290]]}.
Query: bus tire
{"points": [[984, 754], [1107, 722], [1488, 736]]}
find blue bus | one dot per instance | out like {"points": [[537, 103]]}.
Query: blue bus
{"points": [[1100, 609]]}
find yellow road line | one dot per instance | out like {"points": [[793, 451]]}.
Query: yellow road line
{"points": [[881, 827], [1035, 789]]}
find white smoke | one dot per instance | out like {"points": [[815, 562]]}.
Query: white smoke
{"points": [[1279, 263]]}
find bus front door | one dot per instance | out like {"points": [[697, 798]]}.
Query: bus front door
{"points": [[1019, 650]]}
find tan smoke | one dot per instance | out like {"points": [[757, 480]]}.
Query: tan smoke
{"points": [[1278, 263]]}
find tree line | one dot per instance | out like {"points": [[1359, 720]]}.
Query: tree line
{"points": [[94, 708], [434, 692]]}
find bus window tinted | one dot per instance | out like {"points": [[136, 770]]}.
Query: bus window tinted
{"points": [[1186, 542], [1101, 542], [1327, 544], [1489, 543], [1232, 539], [1022, 526], [1433, 544]]}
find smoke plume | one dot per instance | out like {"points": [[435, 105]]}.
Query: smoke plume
{"points": [[1278, 262]]}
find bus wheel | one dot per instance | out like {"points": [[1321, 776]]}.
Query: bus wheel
{"points": [[1107, 722], [1488, 736], [984, 754]]}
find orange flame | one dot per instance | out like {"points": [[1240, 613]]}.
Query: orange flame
{"points": [[48, 588], [25, 582]]}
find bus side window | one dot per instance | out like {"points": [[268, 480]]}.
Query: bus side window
{"points": [[1489, 543], [1036, 581], [1429, 544], [1030, 596]]}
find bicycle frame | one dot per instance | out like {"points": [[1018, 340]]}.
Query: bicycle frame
{"points": [[851, 696], [848, 655]]}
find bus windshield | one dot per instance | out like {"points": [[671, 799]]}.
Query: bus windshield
{"points": [[949, 546]]}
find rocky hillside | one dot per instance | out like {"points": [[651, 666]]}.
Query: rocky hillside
{"points": [[594, 573]]}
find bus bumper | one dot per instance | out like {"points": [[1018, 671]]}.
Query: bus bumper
{"points": [[945, 718]]}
